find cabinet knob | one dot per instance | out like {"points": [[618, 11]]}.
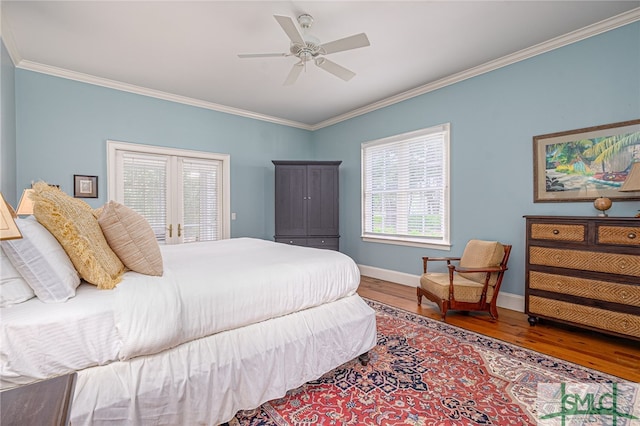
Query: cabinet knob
{"points": [[556, 232], [631, 235]]}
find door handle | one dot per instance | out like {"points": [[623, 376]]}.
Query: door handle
{"points": [[170, 228]]}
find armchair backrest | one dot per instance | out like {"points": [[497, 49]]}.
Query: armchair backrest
{"points": [[481, 254]]}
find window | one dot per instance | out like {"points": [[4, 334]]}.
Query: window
{"points": [[405, 188], [184, 195]]}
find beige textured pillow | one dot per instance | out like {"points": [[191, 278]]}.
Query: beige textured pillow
{"points": [[131, 238], [72, 222]]}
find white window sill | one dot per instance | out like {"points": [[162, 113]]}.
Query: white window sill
{"points": [[411, 243]]}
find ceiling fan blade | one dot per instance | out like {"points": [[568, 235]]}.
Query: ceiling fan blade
{"points": [[294, 73], [347, 43], [335, 69], [290, 28], [261, 55]]}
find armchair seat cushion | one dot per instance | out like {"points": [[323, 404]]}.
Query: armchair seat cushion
{"points": [[465, 290]]}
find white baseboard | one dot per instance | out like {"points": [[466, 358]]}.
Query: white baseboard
{"points": [[511, 301]]}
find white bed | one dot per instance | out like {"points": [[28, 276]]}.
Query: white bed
{"points": [[230, 324]]}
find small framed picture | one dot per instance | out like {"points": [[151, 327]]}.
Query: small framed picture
{"points": [[85, 186]]}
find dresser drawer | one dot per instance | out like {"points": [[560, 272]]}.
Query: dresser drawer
{"points": [[612, 263], [623, 235], [558, 232], [591, 289], [617, 322]]}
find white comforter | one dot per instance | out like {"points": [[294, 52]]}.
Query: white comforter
{"points": [[215, 286], [206, 288]]}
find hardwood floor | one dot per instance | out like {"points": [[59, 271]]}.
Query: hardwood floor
{"points": [[617, 356]]}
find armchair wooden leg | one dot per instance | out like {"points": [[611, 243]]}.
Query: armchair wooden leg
{"points": [[419, 293], [493, 310]]}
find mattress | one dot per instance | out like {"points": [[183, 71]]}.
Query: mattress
{"points": [[207, 288]]}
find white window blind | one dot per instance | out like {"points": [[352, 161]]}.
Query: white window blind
{"points": [[201, 199], [405, 187], [145, 187]]}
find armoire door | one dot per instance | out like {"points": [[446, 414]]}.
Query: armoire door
{"points": [[291, 200], [322, 200]]}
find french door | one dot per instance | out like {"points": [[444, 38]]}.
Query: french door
{"points": [[184, 195]]}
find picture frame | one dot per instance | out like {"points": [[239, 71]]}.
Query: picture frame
{"points": [[85, 186], [584, 164]]}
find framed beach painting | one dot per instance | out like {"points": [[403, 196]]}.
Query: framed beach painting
{"points": [[584, 164]]}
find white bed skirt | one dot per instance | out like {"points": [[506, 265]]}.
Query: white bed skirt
{"points": [[206, 381]]}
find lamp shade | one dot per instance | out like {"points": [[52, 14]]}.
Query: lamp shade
{"points": [[8, 228], [632, 182], [25, 206]]}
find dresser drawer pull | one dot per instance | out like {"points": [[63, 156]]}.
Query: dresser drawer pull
{"points": [[556, 232], [631, 235]]}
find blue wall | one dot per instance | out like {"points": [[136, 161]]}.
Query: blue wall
{"points": [[493, 119], [8, 127], [62, 127]]}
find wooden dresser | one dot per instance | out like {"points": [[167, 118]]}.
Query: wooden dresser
{"points": [[584, 271]]}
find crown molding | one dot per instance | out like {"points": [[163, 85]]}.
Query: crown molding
{"points": [[125, 87], [547, 46]]}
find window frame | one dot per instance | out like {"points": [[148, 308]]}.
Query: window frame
{"points": [[225, 159], [405, 240]]}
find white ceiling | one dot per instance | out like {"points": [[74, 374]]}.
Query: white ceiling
{"points": [[187, 51]]}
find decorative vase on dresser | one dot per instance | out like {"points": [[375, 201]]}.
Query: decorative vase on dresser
{"points": [[584, 271], [306, 205]]}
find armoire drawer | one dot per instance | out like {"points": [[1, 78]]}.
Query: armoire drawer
{"points": [[326, 243], [617, 322], [623, 235], [558, 232], [625, 294], [292, 241], [612, 263]]}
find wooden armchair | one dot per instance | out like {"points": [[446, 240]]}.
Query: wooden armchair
{"points": [[473, 285]]}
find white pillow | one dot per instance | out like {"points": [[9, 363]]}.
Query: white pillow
{"points": [[42, 262], [13, 288]]}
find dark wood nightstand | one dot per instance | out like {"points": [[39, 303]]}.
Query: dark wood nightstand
{"points": [[45, 403]]}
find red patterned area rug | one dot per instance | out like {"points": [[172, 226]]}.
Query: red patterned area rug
{"points": [[425, 372]]}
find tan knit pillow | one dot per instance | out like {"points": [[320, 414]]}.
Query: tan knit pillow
{"points": [[131, 238], [72, 222]]}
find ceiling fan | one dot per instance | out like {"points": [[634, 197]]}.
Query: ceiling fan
{"points": [[306, 48]]}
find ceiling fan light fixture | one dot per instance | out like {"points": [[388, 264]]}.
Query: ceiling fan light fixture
{"points": [[305, 20]]}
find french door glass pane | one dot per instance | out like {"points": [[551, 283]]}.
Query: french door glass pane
{"points": [[145, 189], [201, 200]]}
